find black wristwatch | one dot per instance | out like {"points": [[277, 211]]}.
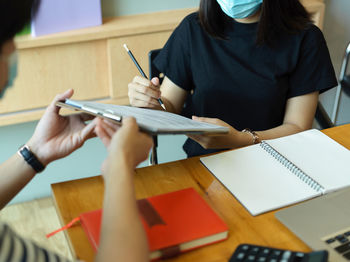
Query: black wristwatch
{"points": [[31, 159]]}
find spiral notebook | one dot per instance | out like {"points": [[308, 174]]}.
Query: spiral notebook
{"points": [[282, 171]]}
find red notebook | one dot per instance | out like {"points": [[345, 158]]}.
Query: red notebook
{"points": [[174, 222]]}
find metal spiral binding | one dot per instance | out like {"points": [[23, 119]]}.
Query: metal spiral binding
{"points": [[291, 167]]}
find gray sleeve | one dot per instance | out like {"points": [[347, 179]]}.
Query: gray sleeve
{"points": [[14, 248]]}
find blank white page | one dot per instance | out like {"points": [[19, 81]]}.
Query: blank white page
{"points": [[319, 156], [257, 180]]}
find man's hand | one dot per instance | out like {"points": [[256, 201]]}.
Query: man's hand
{"points": [[57, 136], [128, 146], [105, 130]]}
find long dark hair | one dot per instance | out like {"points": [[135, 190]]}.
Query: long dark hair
{"points": [[277, 16], [14, 15]]}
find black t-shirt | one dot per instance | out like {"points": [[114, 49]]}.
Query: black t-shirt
{"points": [[239, 82]]}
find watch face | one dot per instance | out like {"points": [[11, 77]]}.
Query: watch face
{"points": [[25, 152]]}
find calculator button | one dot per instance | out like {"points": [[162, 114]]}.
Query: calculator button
{"points": [[330, 241], [273, 260], [286, 255], [276, 253], [347, 233], [240, 256], [245, 247], [251, 258], [254, 250], [347, 255], [265, 251], [343, 240], [262, 259], [343, 248], [298, 257]]}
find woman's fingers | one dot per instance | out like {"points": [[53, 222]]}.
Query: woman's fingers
{"points": [[143, 92], [142, 100], [146, 90]]}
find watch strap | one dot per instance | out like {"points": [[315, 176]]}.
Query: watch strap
{"points": [[31, 159]]}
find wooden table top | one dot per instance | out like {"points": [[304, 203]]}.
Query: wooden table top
{"points": [[75, 197]]}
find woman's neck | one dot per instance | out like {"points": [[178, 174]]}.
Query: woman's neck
{"points": [[250, 19]]}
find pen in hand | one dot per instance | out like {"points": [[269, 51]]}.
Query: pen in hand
{"points": [[141, 71]]}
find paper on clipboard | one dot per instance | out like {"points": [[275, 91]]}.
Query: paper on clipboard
{"points": [[149, 120]]}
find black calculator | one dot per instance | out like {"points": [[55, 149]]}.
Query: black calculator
{"points": [[248, 252]]}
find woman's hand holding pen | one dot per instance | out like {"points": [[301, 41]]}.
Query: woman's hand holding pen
{"points": [[233, 139], [144, 92]]}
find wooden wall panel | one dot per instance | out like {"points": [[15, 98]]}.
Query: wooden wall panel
{"points": [[317, 9], [90, 60], [46, 71], [122, 68]]}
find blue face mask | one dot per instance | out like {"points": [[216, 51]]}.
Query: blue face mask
{"points": [[12, 72], [239, 9]]}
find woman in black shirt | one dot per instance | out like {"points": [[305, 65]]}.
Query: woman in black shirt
{"points": [[249, 64]]}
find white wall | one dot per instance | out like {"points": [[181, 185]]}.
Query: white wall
{"points": [[337, 34]]}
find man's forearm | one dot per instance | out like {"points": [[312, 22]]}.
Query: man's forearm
{"points": [[122, 234], [15, 173]]}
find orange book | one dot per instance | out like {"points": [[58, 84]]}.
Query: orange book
{"points": [[174, 222]]}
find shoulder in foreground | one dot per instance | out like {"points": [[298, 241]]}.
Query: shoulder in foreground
{"points": [[191, 18], [189, 23], [313, 32]]}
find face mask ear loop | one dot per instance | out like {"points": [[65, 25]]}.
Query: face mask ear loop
{"points": [[12, 63]]}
